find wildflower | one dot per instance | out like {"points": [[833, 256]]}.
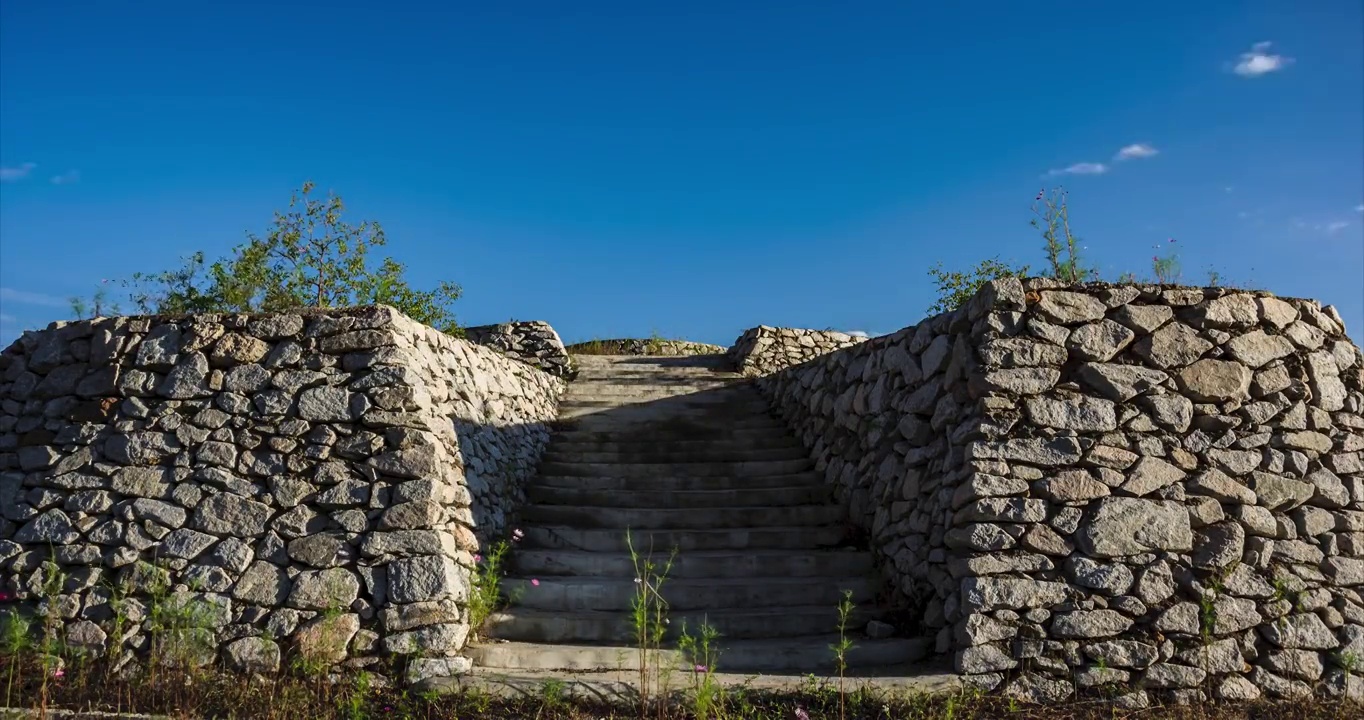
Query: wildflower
{"points": [[535, 582], [478, 558], [4, 596], [58, 673], [700, 668], [517, 535], [638, 581], [801, 714]]}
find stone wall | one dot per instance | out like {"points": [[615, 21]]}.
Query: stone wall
{"points": [[319, 483], [646, 346], [531, 341], [1159, 490], [763, 350]]}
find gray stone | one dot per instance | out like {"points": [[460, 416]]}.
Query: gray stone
{"points": [[229, 514], [1099, 341], [424, 578], [1034, 451], [992, 593], [1070, 308], [1280, 493], [252, 655], [1218, 546], [1211, 380], [1303, 631], [1257, 349], [1120, 382], [1174, 345], [50, 528], [325, 404], [1038, 689], [264, 584], [1120, 526], [327, 589], [1089, 624], [1218, 485], [1149, 475], [1110, 578], [1073, 412], [1170, 675]]}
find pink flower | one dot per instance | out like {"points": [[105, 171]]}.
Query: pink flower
{"points": [[478, 558], [58, 673], [535, 582], [4, 596], [700, 668], [801, 714]]}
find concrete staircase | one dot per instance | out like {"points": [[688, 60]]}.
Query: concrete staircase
{"points": [[681, 453]]}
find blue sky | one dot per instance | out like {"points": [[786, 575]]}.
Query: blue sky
{"points": [[620, 168]]}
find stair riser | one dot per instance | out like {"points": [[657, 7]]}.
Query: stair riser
{"points": [[673, 428], [703, 518], [560, 444], [620, 630], [796, 659], [650, 436], [730, 470], [662, 455], [667, 484], [774, 497], [553, 594], [684, 541], [827, 564]]}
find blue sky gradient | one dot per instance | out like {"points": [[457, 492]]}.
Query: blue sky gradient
{"points": [[694, 169]]}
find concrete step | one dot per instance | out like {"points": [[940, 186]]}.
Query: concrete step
{"points": [[526, 562], [699, 469], [650, 413], [663, 540], [634, 413], [562, 443], [526, 625], [624, 363], [665, 454], [776, 433], [796, 655], [617, 594], [681, 518], [736, 497], [663, 483]]}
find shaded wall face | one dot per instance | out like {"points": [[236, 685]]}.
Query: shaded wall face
{"points": [[888, 421], [1161, 488], [530, 341], [306, 478]]}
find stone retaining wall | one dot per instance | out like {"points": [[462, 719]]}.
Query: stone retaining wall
{"points": [[316, 485], [531, 341], [646, 346], [764, 350], [1157, 492]]}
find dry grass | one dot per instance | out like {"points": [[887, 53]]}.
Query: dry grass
{"points": [[203, 694]]}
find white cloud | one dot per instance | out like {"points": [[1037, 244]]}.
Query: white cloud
{"points": [[1136, 150], [24, 297], [1084, 168], [7, 318], [1259, 61], [1332, 228], [1359, 208], [14, 174], [67, 178]]}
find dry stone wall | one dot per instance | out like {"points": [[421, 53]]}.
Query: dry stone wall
{"points": [[763, 350], [647, 346], [530, 341], [1154, 492], [316, 485]]}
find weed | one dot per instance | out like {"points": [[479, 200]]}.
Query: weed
{"points": [[703, 656], [841, 648], [648, 614]]}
